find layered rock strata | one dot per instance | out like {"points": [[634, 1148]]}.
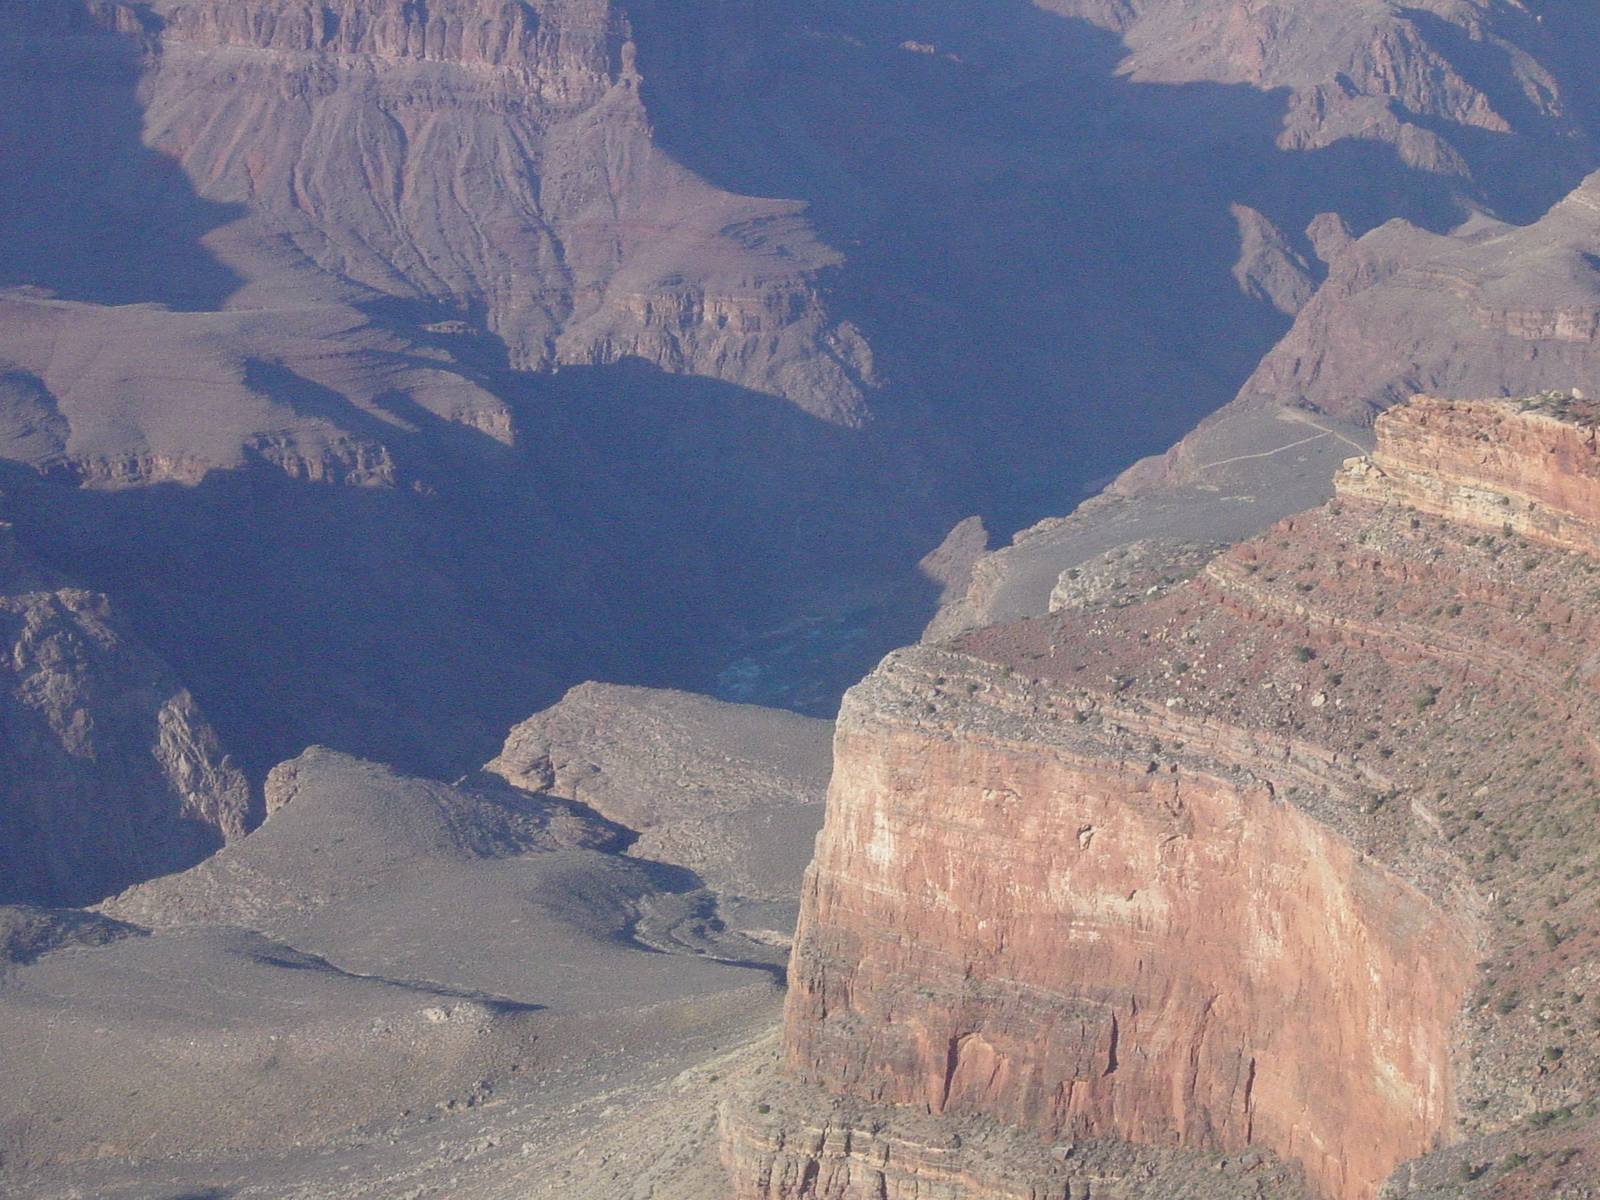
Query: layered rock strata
{"points": [[793, 1141], [1532, 466], [1019, 917], [508, 172], [1253, 864], [1492, 308]]}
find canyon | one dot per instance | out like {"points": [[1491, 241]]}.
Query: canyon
{"points": [[377, 373], [447, 297]]}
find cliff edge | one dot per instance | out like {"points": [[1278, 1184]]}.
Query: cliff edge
{"points": [[1288, 861]]}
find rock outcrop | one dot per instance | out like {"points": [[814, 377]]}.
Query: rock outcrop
{"points": [[27, 932], [508, 176], [1005, 918], [1424, 77], [731, 791], [1528, 466], [1276, 860], [793, 1142], [109, 773]]}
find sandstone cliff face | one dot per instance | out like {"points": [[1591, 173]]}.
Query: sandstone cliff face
{"points": [[110, 773], [1532, 466], [1006, 920], [784, 1141], [1290, 857]]}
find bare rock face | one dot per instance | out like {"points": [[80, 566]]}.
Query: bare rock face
{"points": [[1532, 466], [115, 396], [788, 1141], [1290, 857], [110, 773], [1422, 77], [1492, 308], [1056, 935], [508, 169], [507, 181], [729, 790]]}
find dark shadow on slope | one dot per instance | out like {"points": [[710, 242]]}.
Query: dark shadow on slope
{"points": [[1572, 42], [86, 209], [28, 933], [646, 523], [682, 918], [1521, 179], [287, 958], [1039, 250]]}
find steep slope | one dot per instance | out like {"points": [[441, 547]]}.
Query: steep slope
{"points": [[491, 162], [1091, 146], [393, 984], [288, 286], [1443, 81], [1491, 309], [1291, 858], [349, 243], [109, 772]]}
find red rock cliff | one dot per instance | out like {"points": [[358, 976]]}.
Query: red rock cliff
{"points": [[1532, 465], [1249, 864], [1021, 918]]}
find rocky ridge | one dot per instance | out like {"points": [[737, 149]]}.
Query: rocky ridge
{"points": [[1528, 467], [109, 772], [1369, 720], [508, 170], [1491, 308]]}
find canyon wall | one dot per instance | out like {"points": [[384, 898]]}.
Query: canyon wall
{"points": [[1531, 466], [1011, 917], [109, 771], [1492, 308], [1244, 867], [508, 174]]}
